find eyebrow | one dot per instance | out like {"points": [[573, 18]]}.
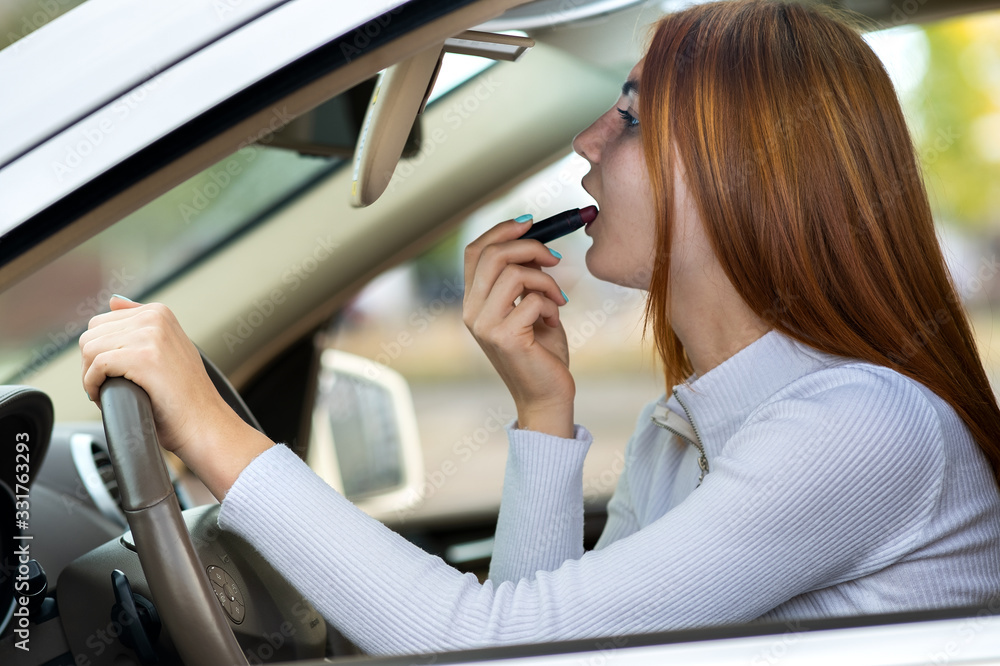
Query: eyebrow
{"points": [[629, 87]]}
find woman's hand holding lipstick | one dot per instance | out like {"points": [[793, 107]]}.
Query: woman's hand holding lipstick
{"points": [[524, 339]]}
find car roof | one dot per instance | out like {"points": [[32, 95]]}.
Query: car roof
{"points": [[137, 41]]}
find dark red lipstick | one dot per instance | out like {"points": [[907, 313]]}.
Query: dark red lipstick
{"points": [[561, 224]]}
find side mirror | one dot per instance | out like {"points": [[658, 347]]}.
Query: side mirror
{"points": [[364, 438]]}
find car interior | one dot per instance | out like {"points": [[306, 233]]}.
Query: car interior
{"points": [[306, 230]]}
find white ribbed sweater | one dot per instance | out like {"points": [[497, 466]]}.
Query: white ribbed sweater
{"points": [[834, 488]]}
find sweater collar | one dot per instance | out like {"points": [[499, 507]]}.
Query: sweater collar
{"points": [[720, 401]]}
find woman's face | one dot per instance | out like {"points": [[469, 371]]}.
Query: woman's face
{"points": [[624, 233], [623, 251]]}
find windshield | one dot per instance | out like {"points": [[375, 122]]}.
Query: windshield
{"points": [[164, 238], [145, 249]]}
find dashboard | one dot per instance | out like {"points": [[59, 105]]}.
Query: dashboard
{"points": [[25, 428], [71, 566]]}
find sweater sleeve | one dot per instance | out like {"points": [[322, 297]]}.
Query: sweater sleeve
{"points": [[812, 491], [540, 525]]}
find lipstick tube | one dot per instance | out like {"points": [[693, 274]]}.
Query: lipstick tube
{"points": [[561, 224]]}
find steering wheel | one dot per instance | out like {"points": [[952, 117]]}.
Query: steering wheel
{"points": [[178, 582]]}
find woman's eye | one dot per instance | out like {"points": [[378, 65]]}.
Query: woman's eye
{"points": [[627, 118]]}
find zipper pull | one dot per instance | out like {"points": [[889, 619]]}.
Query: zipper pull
{"points": [[703, 464]]}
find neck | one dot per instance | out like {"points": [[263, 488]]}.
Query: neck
{"points": [[714, 327]]}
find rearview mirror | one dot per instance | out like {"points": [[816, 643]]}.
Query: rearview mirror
{"points": [[364, 439], [398, 100]]}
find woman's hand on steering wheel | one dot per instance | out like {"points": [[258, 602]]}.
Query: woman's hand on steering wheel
{"points": [[145, 344], [511, 307]]}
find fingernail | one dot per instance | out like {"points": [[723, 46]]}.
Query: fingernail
{"points": [[88, 396], [565, 297], [522, 219], [555, 254], [124, 298]]}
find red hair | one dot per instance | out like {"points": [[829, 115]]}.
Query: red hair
{"points": [[801, 166]]}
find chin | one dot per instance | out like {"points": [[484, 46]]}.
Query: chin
{"points": [[604, 269], [623, 271], [593, 265]]}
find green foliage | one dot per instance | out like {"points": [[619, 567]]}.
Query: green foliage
{"points": [[951, 113]]}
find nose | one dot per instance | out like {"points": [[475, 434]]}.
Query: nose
{"points": [[588, 143]]}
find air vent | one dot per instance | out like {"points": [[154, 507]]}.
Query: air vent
{"points": [[102, 461], [93, 465]]}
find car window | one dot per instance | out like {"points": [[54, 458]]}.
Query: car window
{"points": [[948, 77], [147, 248], [165, 238], [409, 318]]}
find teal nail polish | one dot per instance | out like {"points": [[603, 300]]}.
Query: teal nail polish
{"points": [[555, 254], [565, 297], [522, 219], [124, 298]]}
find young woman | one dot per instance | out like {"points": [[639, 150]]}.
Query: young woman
{"points": [[831, 444]]}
